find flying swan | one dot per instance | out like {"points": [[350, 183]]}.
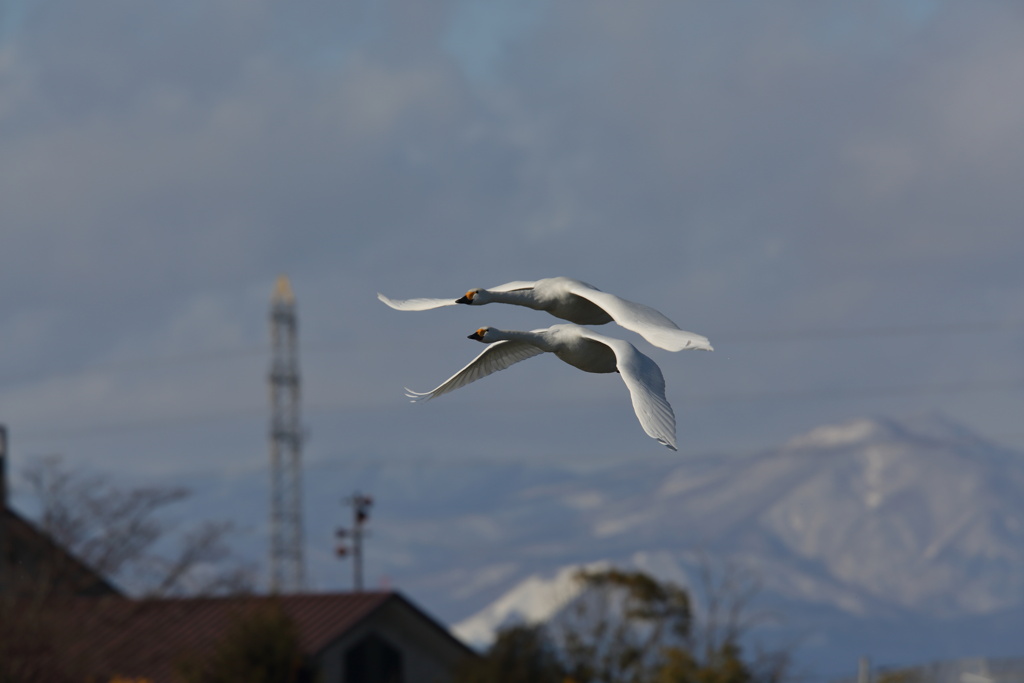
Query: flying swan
{"points": [[581, 348], [576, 302]]}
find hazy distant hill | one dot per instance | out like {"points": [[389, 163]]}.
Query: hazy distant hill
{"points": [[902, 539], [921, 515], [899, 539]]}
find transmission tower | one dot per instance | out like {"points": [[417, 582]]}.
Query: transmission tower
{"points": [[287, 569]]}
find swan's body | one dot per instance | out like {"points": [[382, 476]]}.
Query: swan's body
{"points": [[576, 302], [581, 348]]}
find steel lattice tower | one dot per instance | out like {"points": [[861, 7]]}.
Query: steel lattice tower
{"points": [[287, 569]]}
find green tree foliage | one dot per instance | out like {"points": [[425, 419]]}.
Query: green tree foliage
{"points": [[625, 627], [726, 666], [519, 654], [260, 646], [616, 629], [900, 676]]}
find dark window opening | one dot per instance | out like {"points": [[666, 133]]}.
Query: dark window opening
{"points": [[373, 660]]}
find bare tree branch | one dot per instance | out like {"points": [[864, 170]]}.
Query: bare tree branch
{"points": [[117, 533]]}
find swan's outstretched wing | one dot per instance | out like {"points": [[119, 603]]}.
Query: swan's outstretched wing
{"points": [[644, 320], [415, 304], [646, 387], [495, 357]]}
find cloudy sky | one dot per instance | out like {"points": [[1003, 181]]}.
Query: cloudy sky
{"points": [[829, 191]]}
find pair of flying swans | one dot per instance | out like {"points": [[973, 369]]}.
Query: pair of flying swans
{"points": [[581, 304]]}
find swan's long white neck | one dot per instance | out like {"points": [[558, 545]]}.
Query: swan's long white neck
{"points": [[517, 297], [533, 338]]}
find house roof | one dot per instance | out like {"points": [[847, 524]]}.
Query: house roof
{"points": [[31, 553], [177, 624], [144, 638]]}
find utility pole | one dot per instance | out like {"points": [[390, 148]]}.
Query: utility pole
{"points": [[3, 509], [287, 569], [864, 670], [360, 513]]}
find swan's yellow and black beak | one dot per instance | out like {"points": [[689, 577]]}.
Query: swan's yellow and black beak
{"points": [[468, 299], [478, 335]]}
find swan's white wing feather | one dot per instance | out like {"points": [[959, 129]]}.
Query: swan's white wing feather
{"points": [[644, 320], [510, 286], [495, 357], [415, 304], [646, 387]]}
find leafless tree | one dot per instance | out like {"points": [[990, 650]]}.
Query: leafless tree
{"points": [[126, 535], [726, 615], [97, 534]]}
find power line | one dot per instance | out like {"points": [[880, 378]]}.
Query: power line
{"points": [[961, 387], [135, 426], [138, 365], [833, 393], [735, 337], [817, 334]]}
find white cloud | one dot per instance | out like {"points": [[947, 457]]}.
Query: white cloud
{"points": [[741, 168]]}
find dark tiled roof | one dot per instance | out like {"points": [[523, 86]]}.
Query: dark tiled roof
{"points": [[31, 552], [130, 637], [144, 638]]}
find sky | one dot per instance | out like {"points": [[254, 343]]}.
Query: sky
{"points": [[829, 191]]}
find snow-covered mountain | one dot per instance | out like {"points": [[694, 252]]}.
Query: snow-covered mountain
{"points": [[900, 539]]}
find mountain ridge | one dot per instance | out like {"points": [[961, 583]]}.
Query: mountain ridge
{"points": [[871, 520]]}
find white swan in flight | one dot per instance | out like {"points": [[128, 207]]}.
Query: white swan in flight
{"points": [[576, 302], [584, 349]]}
